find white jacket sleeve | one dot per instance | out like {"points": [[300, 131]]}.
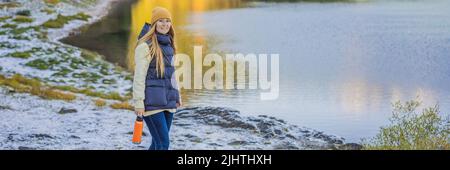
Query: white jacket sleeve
{"points": [[140, 74]]}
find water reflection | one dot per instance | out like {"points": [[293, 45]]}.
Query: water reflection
{"points": [[180, 10], [115, 35]]}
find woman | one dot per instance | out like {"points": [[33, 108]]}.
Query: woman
{"points": [[155, 89]]}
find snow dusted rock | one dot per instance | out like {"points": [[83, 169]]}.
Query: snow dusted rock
{"points": [[66, 110], [29, 122], [25, 148], [4, 107], [223, 117], [350, 146]]}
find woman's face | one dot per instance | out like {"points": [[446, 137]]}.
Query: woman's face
{"points": [[163, 25]]}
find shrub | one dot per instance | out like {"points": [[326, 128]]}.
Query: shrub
{"points": [[410, 130]]}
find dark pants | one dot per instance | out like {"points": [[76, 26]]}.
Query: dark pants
{"points": [[159, 125]]}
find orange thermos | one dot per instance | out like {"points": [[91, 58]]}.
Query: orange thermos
{"points": [[137, 133]]}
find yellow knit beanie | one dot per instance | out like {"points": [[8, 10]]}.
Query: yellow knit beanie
{"points": [[160, 13]]}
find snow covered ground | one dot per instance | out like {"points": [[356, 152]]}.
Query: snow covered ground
{"points": [[29, 122]]}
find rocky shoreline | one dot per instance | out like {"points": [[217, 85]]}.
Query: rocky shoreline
{"points": [[269, 130]]}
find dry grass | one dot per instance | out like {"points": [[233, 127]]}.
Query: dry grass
{"points": [[33, 86], [55, 94], [26, 81], [22, 84], [90, 92], [99, 102], [23, 19], [9, 5], [16, 85], [122, 105], [53, 2]]}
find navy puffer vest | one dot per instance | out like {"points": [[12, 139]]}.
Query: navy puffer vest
{"points": [[161, 92]]}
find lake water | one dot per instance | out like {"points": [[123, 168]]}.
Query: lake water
{"points": [[341, 64]]}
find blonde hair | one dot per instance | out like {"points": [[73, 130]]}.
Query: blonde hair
{"points": [[155, 49]]}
